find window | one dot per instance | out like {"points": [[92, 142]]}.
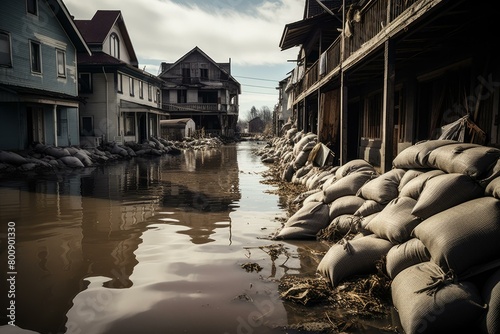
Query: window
{"points": [[129, 124], [203, 71], [61, 63], [131, 86], [36, 57], [114, 46], [149, 92], [87, 126], [141, 89], [119, 83], [157, 96], [32, 7], [85, 82], [5, 53], [181, 96]]}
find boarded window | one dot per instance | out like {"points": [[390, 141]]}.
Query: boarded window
{"points": [[5, 53]]}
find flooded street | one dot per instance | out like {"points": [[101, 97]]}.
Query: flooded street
{"points": [[151, 245]]}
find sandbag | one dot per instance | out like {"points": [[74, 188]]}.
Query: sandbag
{"points": [[444, 191], [352, 166], [384, 188], [288, 173], [415, 186], [317, 196], [299, 146], [493, 188], [469, 159], [490, 323], [416, 156], [345, 205], [348, 185], [463, 236], [345, 224], [409, 175], [72, 162], [306, 222], [358, 256], [368, 208], [405, 255], [449, 309], [12, 158], [395, 222], [56, 152]]}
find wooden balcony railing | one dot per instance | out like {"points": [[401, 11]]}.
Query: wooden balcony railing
{"points": [[375, 17], [200, 107]]}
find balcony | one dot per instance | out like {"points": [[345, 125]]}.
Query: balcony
{"points": [[367, 26], [201, 108]]}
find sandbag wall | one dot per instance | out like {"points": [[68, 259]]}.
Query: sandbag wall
{"points": [[434, 219]]}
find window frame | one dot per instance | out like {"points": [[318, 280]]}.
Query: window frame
{"points": [[60, 52], [119, 83], [129, 126], [35, 56], [89, 89], [141, 89], [9, 49], [114, 45], [131, 86], [150, 98], [33, 3]]}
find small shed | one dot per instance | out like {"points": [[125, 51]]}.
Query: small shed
{"points": [[177, 129]]}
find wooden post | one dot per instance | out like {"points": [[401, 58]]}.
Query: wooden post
{"points": [[388, 107]]}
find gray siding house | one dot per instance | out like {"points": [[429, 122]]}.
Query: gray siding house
{"points": [[39, 101], [121, 102]]}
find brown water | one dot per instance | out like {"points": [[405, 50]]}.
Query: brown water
{"points": [[150, 245]]}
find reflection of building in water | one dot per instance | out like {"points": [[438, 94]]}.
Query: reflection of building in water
{"points": [[206, 188]]}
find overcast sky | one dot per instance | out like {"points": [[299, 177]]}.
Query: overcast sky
{"points": [[247, 32]]}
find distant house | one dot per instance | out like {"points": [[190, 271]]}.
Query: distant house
{"points": [[177, 129], [197, 87], [122, 102], [38, 74], [256, 125]]}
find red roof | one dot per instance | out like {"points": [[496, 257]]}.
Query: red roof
{"points": [[94, 31]]}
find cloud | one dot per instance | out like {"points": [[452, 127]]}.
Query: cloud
{"points": [[166, 30]]}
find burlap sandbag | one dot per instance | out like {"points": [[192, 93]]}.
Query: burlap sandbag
{"points": [[345, 205], [383, 188], [358, 256], [345, 224], [470, 159], [395, 222], [288, 172], [416, 156], [444, 191], [493, 188], [405, 255], [352, 166], [317, 196], [306, 222], [490, 292], [415, 186], [369, 207], [463, 236], [450, 308], [347, 185], [409, 175]]}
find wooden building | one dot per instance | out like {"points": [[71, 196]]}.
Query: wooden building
{"points": [[122, 102], [199, 88], [376, 76], [38, 74]]}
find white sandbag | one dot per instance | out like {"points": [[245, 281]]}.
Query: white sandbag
{"points": [[490, 323], [369, 207], [345, 205], [469, 159], [415, 186], [395, 222], [383, 188], [12, 158], [300, 159], [347, 185], [72, 162], [299, 146], [352, 166], [358, 256], [306, 222], [416, 156], [444, 191], [450, 308], [463, 236], [405, 255]]}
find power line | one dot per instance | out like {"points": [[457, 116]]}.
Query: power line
{"points": [[239, 76], [258, 86]]}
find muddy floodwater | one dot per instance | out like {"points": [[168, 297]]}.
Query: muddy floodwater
{"points": [[171, 244]]}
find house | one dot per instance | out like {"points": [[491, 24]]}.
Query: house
{"points": [[177, 129], [199, 88], [38, 74], [256, 125], [374, 77], [122, 102]]}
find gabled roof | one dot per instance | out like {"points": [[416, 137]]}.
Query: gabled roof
{"points": [[63, 16], [98, 28], [221, 66]]}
